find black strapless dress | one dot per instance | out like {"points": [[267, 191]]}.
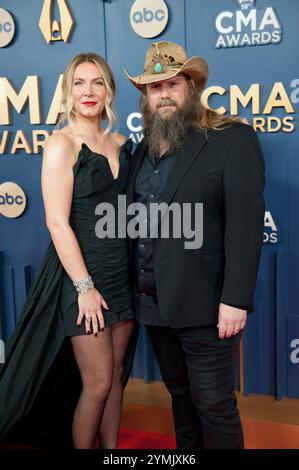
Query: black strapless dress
{"points": [[106, 258], [39, 381]]}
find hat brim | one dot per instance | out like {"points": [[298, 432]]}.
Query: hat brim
{"points": [[196, 67]]}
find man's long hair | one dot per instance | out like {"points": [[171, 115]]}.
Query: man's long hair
{"points": [[206, 118]]}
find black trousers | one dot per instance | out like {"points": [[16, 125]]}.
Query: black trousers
{"points": [[198, 369]]}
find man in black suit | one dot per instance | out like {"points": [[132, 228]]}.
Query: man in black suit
{"points": [[194, 301]]}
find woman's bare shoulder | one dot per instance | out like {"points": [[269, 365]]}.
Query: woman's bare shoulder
{"points": [[60, 148]]}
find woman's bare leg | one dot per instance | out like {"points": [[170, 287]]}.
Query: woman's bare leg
{"points": [[94, 357], [109, 427]]}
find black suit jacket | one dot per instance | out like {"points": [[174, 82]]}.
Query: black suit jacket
{"points": [[225, 171]]}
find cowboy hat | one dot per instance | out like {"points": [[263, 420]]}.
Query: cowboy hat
{"points": [[165, 60]]}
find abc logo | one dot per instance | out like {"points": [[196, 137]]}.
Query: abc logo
{"points": [[294, 357], [148, 15], [149, 18], [12, 200], [7, 28]]}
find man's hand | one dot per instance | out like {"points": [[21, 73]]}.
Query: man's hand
{"points": [[230, 320]]}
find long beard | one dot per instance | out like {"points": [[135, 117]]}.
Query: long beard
{"points": [[171, 130]]}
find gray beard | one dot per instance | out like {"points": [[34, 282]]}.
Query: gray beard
{"points": [[170, 130]]}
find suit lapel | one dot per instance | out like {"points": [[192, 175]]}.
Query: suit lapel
{"points": [[193, 146]]}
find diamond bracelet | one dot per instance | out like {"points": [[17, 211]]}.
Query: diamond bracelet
{"points": [[83, 285]]}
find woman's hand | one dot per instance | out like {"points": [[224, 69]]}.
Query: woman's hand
{"points": [[90, 307]]}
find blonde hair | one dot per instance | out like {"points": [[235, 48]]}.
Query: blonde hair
{"points": [[69, 114]]}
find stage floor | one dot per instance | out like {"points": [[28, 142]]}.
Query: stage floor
{"points": [[267, 423]]}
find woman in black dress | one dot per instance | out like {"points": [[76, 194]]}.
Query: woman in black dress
{"points": [[82, 294]]}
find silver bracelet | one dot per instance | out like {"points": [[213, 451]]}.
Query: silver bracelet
{"points": [[83, 285]]}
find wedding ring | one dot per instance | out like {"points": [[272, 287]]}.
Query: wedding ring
{"points": [[88, 318]]}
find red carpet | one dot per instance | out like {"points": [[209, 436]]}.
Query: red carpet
{"points": [[15, 445], [130, 439]]}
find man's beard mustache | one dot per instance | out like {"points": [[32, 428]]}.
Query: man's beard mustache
{"points": [[172, 129]]}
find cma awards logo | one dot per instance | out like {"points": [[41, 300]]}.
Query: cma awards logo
{"points": [[12, 200], [135, 127], [270, 235], [248, 26], [56, 30]]}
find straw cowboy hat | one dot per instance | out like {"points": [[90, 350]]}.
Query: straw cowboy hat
{"points": [[165, 60]]}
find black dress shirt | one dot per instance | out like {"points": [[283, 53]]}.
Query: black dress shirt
{"points": [[150, 182]]}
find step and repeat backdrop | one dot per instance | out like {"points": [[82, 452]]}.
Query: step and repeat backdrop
{"points": [[252, 50]]}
